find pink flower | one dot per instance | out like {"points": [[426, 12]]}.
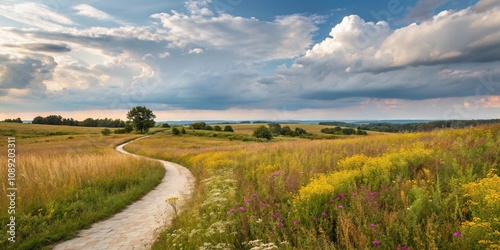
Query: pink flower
{"points": [[341, 196], [276, 215], [372, 225], [242, 209], [264, 204], [340, 206], [247, 201], [296, 222], [324, 214], [457, 234], [331, 201], [376, 242], [315, 219], [254, 195], [232, 211], [353, 194]]}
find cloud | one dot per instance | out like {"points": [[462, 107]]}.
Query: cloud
{"points": [[35, 15], [484, 5], [450, 37], [248, 38], [195, 51], [89, 11], [423, 10], [41, 47], [25, 73]]}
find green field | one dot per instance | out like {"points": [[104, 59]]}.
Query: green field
{"points": [[436, 190]]}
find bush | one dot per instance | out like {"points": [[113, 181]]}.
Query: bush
{"points": [[120, 131], [106, 131], [198, 125], [175, 131], [165, 125], [217, 128], [228, 128], [183, 131], [263, 132]]}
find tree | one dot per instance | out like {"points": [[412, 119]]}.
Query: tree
{"points": [[217, 128], [165, 125], [275, 128], [37, 120], [228, 128], [142, 119], [183, 131], [263, 132], [199, 125]]}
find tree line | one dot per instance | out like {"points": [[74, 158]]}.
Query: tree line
{"points": [[17, 120], [89, 122], [413, 127]]}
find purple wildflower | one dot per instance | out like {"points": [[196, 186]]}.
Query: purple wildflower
{"points": [[340, 206], [232, 211], [296, 222], [376, 242], [324, 214], [341, 196], [264, 204], [457, 234], [242, 209], [372, 225], [254, 195]]}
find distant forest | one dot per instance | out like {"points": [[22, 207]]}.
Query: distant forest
{"points": [[412, 127], [89, 122]]}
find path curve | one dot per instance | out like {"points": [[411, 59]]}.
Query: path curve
{"points": [[137, 226]]}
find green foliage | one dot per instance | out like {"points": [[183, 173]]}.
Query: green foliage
{"points": [[198, 125], [165, 125], [263, 132], [142, 118], [17, 120], [217, 128], [183, 131], [343, 131], [106, 131], [175, 131], [228, 128]]}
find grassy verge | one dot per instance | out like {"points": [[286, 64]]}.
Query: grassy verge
{"points": [[407, 191], [67, 183]]}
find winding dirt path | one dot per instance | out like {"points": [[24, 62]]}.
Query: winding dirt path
{"points": [[137, 226]]}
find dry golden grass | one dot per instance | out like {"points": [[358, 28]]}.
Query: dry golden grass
{"points": [[65, 172]]}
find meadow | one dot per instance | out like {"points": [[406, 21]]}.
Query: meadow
{"points": [[67, 179], [434, 190]]}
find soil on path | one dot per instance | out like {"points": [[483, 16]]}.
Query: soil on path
{"points": [[136, 227]]}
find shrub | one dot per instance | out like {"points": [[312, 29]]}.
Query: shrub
{"points": [[183, 131], [263, 132], [106, 131], [228, 128], [175, 131], [217, 128]]}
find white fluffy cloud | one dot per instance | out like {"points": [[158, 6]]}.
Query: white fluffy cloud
{"points": [[34, 14], [449, 37]]}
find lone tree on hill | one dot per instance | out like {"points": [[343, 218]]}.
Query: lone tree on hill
{"points": [[142, 118]]}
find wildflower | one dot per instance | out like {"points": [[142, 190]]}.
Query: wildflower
{"points": [[232, 211], [340, 206], [341, 196], [276, 215], [242, 209], [331, 201], [302, 172], [353, 194], [254, 195], [376, 242], [457, 234], [296, 222], [264, 204], [401, 247], [372, 225], [315, 219], [324, 214], [247, 201]]}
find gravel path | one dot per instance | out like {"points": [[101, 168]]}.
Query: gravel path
{"points": [[137, 226]]}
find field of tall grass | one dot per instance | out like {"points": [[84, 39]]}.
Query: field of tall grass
{"points": [[436, 190], [66, 179]]}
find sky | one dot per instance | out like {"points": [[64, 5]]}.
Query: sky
{"points": [[251, 59]]}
